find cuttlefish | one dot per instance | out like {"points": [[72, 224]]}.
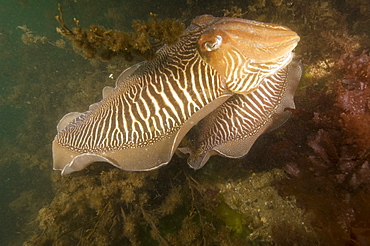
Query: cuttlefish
{"points": [[232, 128], [139, 124]]}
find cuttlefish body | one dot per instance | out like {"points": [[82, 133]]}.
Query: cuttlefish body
{"points": [[140, 123], [232, 128]]}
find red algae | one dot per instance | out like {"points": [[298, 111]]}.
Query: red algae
{"points": [[354, 99], [330, 172]]}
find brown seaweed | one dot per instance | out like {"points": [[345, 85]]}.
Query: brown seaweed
{"points": [[98, 42]]}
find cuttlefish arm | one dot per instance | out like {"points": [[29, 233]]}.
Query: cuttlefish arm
{"points": [[232, 129], [139, 124]]}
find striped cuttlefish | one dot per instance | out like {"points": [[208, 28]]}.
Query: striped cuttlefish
{"points": [[224, 83]]}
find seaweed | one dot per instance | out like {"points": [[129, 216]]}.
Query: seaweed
{"points": [[332, 165], [98, 42], [108, 206]]}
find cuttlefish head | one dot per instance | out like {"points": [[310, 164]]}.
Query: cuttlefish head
{"points": [[245, 52]]}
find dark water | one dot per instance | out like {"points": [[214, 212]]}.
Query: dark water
{"points": [[13, 115], [27, 74]]}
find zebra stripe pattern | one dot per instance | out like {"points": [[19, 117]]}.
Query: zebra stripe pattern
{"points": [[140, 123], [242, 116], [247, 78], [152, 103]]}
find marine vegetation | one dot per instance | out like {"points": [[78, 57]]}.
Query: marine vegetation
{"points": [[98, 42], [106, 206], [332, 165]]}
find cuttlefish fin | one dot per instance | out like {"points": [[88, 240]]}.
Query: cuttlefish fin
{"points": [[107, 90], [134, 159], [127, 72], [67, 119]]}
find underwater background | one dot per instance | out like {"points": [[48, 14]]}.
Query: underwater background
{"points": [[306, 183]]}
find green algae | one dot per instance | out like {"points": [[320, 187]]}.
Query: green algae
{"points": [[233, 220]]}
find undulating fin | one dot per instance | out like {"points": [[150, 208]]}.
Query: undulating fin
{"points": [[127, 72], [232, 129], [139, 124], [67, 119], [107, 91]]}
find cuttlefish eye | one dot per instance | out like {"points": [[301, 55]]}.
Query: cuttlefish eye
{"points": [[214, 44], [245, 52]]}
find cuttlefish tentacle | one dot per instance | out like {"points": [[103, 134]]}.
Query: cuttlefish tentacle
{"points": [[139, 124], [233, 127]]}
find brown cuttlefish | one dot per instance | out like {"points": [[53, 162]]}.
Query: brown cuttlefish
{"points": [[218, 64]]}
